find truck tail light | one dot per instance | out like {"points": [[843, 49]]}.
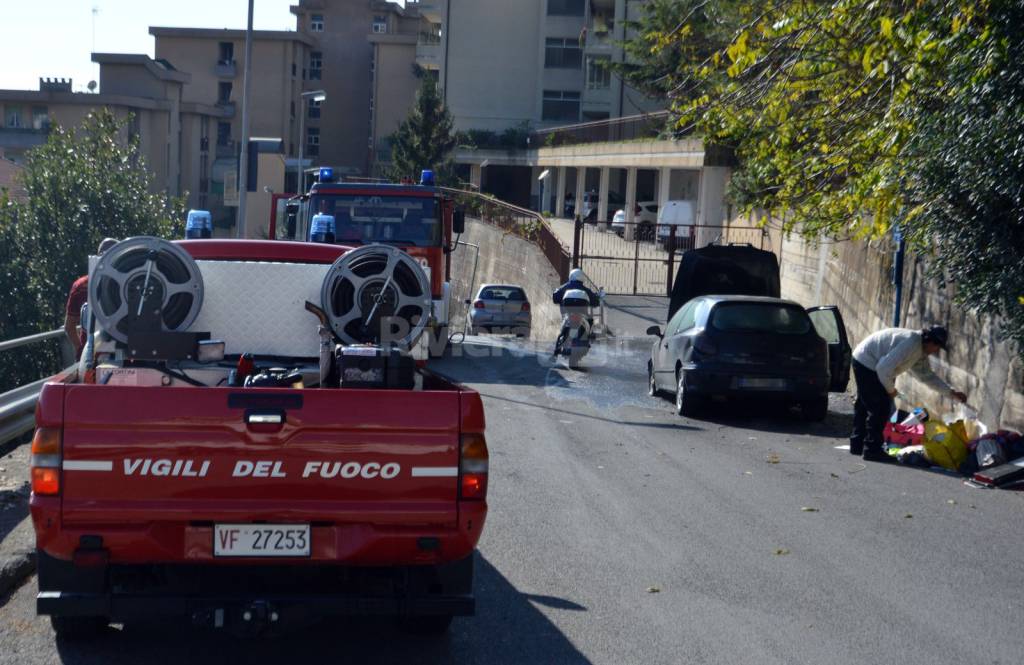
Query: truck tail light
{"points": [[46, 457], [479, 304], [526, 307], [473, 462]]}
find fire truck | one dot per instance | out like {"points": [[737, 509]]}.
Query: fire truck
{"points": [[420, 219]]}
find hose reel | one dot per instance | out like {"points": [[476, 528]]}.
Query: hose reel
{"points": [[376, 294], [145, 281]]}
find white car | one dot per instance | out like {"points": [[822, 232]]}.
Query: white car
{"points": [[645, 217], [683, 216]]}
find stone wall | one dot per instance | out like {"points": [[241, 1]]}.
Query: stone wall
{"points": [[505, 259], [856, 276]]}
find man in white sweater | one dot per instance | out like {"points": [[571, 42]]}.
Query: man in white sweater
{"points": [[877, 361]]}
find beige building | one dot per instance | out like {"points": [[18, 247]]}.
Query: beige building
{"points": [[215, 59], [542, 64], [172, 132]]}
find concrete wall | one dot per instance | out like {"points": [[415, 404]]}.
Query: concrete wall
{"points": [[510, 260], [856, 277]]}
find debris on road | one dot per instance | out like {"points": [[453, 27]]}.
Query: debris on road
{"points": [[773, 458], [653, 589], [808, 509], [782, 551]]}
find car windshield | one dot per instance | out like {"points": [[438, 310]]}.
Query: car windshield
{"points": [[403, 220], [760, 318]]}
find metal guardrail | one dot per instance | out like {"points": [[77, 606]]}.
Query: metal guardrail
{"points": [[522, 222], [17, 407]]}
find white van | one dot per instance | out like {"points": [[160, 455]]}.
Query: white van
{"points": [[681, 214]]}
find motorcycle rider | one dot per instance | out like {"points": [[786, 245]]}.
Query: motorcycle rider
{"points": [[575, 283]]}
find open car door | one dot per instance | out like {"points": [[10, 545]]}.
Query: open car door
{"points": [[828, 322]]}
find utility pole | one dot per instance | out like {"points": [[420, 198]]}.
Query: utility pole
{"points": [[243, 160]]}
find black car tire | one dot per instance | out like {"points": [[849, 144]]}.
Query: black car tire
{"points": [[652, 387], [73, 629], [686, 401], [815, 410]]}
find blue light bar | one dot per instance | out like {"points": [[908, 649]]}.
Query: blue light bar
{"points": [[326, 174], [427, 177], [199, 225]]}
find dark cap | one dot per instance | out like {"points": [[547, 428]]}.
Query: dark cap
{"points": [[936, 335]]}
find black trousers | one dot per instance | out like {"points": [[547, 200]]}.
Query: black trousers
{"points": [[872, 408]]}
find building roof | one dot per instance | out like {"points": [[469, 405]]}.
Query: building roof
{"points": [[161, 69], [228, 33]]}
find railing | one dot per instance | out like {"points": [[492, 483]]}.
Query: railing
{"points": [[628, 128], [521, 222], [17, 407]]}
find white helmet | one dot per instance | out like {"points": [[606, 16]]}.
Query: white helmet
{"points": [[575, 275]]}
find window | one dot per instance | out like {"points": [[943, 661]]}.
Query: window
{"points": [[292, 109], [314, 109], [224, 92], [562, 53], [430, 34], [561, 105], [380, 24], [40, 117], [316, 63], [599, 76], [227, 53], [295, 69], [316, 23], [565, 7], [223, 133], [760, 318], [683, 319], [12, 118], [312, 141]]}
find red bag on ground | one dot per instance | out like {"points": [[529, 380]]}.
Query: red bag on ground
{"points": [[903, 435]]}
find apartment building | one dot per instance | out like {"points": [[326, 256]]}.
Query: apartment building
{"points": [[362, 54], [147, 93], [542, 63], [215, 58]]}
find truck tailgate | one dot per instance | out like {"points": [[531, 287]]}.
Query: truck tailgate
{"points": [[140, 455]]}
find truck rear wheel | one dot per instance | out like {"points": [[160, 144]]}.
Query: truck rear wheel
{"points": [[74, 629]]}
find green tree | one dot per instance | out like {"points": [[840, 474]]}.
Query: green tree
{"points": [[83, 185], [851, 117], [425, 139]]}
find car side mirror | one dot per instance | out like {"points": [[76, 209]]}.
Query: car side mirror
{"points": [[654, 330], [458, 222]]}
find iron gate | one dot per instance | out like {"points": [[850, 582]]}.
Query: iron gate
{"points": [[641, 258]]}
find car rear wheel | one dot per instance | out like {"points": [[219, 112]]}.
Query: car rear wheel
{"points": [[816, 409], [686, 401]]}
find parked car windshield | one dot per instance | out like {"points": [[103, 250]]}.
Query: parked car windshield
{"points": [[760, 318], [403, 220]]}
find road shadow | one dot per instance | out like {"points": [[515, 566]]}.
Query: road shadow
{"points": [[508, 628], [589, 416], [13, 509], [769, 416], [499, 361]]}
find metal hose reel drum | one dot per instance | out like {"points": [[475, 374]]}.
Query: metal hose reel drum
{"points": [[145, 280], [376, 294]]}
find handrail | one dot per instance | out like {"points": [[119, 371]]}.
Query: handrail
{"points": [[18, 405], [30, 339]]}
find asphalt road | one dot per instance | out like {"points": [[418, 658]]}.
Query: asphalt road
{"points": [[621, 533]]}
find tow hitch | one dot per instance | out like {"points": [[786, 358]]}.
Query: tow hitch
{"points": [[251, 618]]}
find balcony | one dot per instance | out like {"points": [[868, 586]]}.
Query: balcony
{"points": [[19, 138], [225, 69], [429, 55], [227, 149], [228, 108]]}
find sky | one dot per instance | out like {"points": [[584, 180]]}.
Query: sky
{"points": [[55, 38]]}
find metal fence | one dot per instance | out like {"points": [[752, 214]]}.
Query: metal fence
{"points": [[641, 258]]}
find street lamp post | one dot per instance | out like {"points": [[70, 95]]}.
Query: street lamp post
{"points": [[318, 96], [243, 165]]}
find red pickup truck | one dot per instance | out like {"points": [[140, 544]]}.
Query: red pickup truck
{"points": [[170, 487]]}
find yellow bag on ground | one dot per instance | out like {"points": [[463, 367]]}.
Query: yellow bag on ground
{"points": [[943, 446]]}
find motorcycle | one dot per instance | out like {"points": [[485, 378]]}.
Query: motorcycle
{"points": [[577, 327]]}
